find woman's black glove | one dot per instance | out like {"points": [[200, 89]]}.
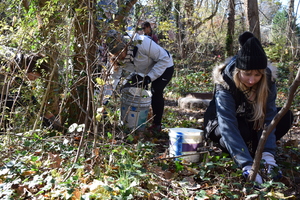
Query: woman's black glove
{"points": [[139, 81]]}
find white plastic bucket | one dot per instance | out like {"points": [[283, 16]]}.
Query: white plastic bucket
{"points": [[135, 104], [185, 141]]}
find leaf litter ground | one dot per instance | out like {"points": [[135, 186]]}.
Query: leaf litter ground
{"points": [[114, 169]]}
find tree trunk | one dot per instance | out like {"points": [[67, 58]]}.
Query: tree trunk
{"points": [[291, 22], [79, 104], [123, 12], [180, 29], [291, 37], [253, 17], [230, 28], [51, 98], [180, 26], [188, 43]]}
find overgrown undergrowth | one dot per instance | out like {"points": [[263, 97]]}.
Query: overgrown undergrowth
{"points": [[35, 167], [45, 164]]}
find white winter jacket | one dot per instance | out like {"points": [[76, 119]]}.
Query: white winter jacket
{"points": [[150, 60]]}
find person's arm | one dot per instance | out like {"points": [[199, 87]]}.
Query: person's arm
{"points": [[228, 126], [159, 55], [271, 111]]}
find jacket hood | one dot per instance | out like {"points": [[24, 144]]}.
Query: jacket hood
{"points": [[217, 75]]}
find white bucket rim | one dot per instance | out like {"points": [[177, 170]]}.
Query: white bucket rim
{"points": [[139, 92], [187, 131]]}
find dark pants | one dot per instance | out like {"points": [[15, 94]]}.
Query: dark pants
{"points": [[157, 90], [250, 136]]}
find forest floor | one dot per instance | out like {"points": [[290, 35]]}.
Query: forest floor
{"points": [[287, 155], [45, 167]]}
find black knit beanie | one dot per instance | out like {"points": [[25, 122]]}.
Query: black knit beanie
{"points": [[251, 56], [115, 41]]}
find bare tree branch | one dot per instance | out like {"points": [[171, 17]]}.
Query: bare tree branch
{"points": [[209, 17]]}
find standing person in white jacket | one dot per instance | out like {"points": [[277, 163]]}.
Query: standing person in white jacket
{"points": [[148, 63]]}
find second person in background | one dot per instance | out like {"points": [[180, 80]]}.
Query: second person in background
{"points": [[147, 29]]}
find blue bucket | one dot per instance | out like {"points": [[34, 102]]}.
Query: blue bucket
{"points": [[185, 141]]}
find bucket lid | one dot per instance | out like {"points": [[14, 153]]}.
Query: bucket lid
{"points": [[139, 92]]}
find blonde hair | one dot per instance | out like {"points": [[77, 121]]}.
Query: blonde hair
{"points": [[261, 95]]}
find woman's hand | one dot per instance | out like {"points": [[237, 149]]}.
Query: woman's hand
{"points": [[138, 80]]}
